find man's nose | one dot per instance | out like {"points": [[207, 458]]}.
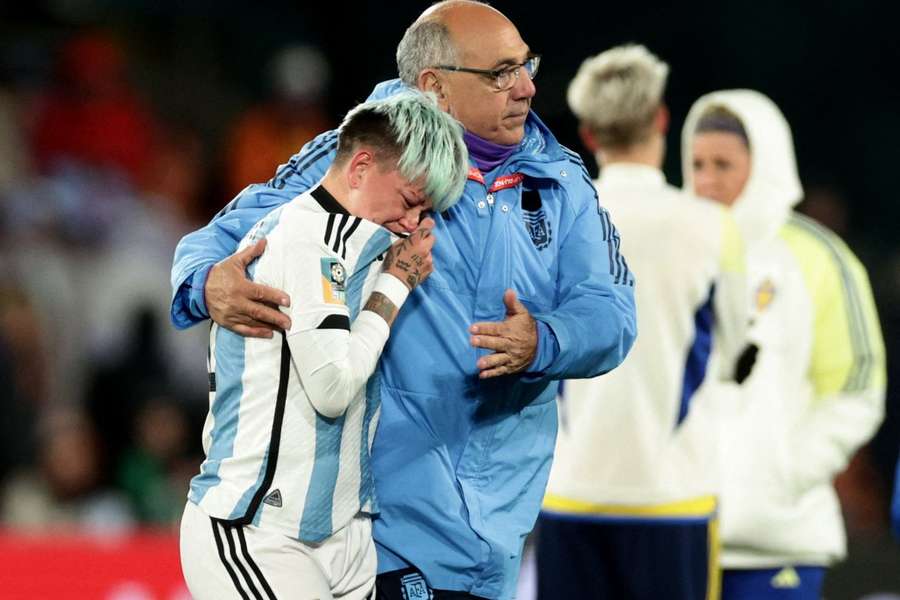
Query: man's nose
{"points": [[524, 87]]}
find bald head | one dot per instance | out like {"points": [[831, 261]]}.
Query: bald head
{"points": [[452, 49], [446, 34]]}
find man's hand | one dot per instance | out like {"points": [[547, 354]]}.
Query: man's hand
{"points": [[238, 304], [409, 259], [514, 340]]}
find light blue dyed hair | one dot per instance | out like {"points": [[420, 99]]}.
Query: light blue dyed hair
{"points": [[424, 143]]}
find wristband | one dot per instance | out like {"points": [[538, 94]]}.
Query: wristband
{"points": [[394, 289]]}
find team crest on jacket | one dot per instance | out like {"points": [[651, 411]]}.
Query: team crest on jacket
{"points": [[538, 228], [413, 587], [334, 279]]}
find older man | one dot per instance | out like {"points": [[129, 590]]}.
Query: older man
{"points": [[528, 288]]}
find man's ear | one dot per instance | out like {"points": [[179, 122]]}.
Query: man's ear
{"points": [[662, 119], [360, 163], [429, 81], [588, 138]]}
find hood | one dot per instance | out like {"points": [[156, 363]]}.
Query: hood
{"points": [[773, 187]]}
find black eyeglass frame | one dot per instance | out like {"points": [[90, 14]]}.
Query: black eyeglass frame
{"points": [[493, 74]]}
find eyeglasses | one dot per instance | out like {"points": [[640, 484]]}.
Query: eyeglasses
{"points": [[504, 78]]}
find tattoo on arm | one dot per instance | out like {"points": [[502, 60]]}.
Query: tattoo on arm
{"points": [[382, 306]]}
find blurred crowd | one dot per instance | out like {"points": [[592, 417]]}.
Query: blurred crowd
{"points": [[102, 400]]}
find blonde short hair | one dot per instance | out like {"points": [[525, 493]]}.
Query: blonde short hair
{"points": [[617, 93]]}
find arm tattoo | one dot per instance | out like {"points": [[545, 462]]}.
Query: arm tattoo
{"points": [[382, 306]]}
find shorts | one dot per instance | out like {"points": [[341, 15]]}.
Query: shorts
{"points": [[620, 557], [781, 583], [224, 561]]}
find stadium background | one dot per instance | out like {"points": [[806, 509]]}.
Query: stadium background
{"points": [[102, 402]]}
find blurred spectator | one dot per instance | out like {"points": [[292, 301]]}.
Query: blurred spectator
{"points": [[64, 490], [269, 134], [14, 161], [154, 472], [92, 115], [22, 371]]}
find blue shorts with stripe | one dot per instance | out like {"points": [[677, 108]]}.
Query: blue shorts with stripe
{"points": [[639, 558], [781, 583]]}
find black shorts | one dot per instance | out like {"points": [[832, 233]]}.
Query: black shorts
{"points": [[410, 584], [625, 558]]}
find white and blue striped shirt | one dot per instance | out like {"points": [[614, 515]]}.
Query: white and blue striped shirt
{"points": [[272, 458]]}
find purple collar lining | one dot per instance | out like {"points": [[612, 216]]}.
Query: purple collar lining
{"points": [[487, 155]]}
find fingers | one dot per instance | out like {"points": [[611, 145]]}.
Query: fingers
{"points": [[249, 312], [498, 328], [260, 331], [493, 365], [246, 256], [263, 293], [513, 306], [490, 342], [426, 223]]}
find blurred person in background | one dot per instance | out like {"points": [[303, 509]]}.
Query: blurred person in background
{"points": [[815, 391], [92, 115], [64, 491], [469, 379], [23, 376], [15, 164], [155, 470], [269, 133], [630, 510]]}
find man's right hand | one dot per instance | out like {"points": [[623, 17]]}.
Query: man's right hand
{"points": [[409, 259], [238, 304]]}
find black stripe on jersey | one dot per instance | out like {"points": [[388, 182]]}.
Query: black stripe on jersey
{"points": [[275, 439], [212, 382], [253, 565], [335, 322], [221, 548], [337, 236], [327, 201], [329, 227], [347, 235], [234, 557]]}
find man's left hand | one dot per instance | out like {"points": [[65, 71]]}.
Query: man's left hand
{"points": [[513, 340]]}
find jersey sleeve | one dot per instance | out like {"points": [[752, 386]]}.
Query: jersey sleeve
{"points": [[333, 356]]}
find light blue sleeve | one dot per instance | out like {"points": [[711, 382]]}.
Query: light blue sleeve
{"points": [[198, 251], [595, 321]]}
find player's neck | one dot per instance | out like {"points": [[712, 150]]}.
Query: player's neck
{"points": [[335, 183], [648, 153]]}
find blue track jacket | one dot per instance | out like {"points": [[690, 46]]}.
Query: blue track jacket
{"points": [[461, 464]]}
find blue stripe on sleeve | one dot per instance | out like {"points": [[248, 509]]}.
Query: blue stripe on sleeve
{"points": [[225, 410]]}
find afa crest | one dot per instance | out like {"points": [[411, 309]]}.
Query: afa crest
{"points": [[765, 293], [334, 281], [413, 587], [538, 228]]}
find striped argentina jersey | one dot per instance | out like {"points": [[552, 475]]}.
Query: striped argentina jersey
{"points": [[272, 459]]}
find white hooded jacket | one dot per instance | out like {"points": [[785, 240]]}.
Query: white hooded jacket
{"points": [[816, 391]]}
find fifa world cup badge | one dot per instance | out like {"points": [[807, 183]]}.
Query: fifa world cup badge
{"points": [[334, 280]]}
